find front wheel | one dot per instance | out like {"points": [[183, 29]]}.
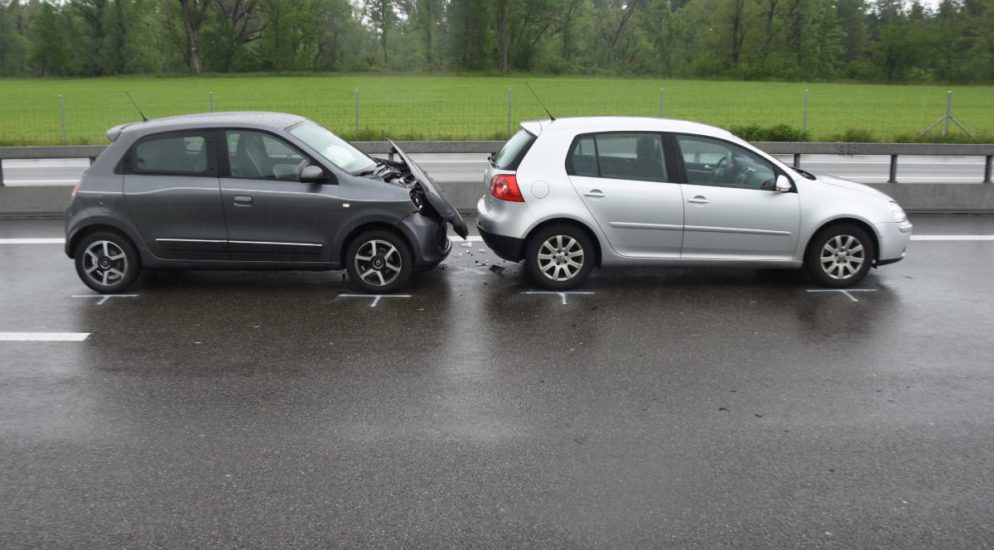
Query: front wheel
{"points": [[107, 262], [559, 257], [840, 256], [379, 262]]}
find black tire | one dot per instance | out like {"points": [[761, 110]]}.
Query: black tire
{"points": [[851, 260], [107, 262], [429, 266], [559, 244], [365, 255]]}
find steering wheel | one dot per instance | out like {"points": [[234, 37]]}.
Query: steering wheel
{"points": [[722, 167]]}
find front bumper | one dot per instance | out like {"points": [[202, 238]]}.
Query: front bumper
{"points": [[429, 237], [894, 239]]}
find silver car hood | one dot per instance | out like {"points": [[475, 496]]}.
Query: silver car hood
{"points": [[850, 185]]}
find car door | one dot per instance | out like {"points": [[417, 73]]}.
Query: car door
{"points": [[731, 208], [623, 180], [172, 192], [271, 215]]}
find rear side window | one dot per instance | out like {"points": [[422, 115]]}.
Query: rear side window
{"points": [[629, 156], [174, 153], [514, 151]]}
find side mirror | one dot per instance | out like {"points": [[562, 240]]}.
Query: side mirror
{"points": [[313, 174], [783, 184]]}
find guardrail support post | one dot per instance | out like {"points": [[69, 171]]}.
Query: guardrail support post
{"points": [[797, 160], [893, 169], [987, 170], [1, 171]]}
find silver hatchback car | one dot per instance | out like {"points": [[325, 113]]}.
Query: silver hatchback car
{"points": [[568, 194]]}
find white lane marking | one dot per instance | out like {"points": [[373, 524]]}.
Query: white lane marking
{"points": [[33, 241], [845, 291], [39, 182], [43, 336], [376, 297], [104, 297], [562, 295], [952, 237]]}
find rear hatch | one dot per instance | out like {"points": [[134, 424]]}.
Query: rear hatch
{"points": [[433, 194]]}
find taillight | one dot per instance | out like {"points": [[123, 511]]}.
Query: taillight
{"points": [[505, 188]]}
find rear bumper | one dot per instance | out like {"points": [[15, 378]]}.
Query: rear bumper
{"points": [[508, 248]]}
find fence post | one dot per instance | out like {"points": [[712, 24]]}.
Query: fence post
{"points": [[949, 110], [508, 113], [662, 97], [210, 101], [804, 120], [357, 112], [62, 119]]}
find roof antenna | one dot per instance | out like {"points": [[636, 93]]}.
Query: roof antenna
{"points": [[137, 108], [540, 102]]}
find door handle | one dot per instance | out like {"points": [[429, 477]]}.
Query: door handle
{"points": [[699, 199], [594, 194], [243, 201]]}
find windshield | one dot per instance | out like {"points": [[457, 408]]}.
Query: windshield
{"points": [[340, 152]]}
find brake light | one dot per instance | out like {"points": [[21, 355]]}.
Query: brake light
{"points": [[505, 188]]}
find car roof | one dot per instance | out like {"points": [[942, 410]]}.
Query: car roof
{"points": [[252, 119], [625, 123]]}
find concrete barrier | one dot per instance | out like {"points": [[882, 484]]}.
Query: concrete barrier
{"points": [[51, 201]]}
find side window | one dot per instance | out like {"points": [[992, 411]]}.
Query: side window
{"points": [[258, 155], [631, 156], [626, 156], [713, 162], [174, 153], [582, 160]]}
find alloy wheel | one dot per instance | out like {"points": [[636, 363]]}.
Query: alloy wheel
{"points": [[842, 257], [560, 257], [378, 262], [105, 263]]}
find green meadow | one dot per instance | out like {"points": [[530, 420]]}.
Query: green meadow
{"points": [[476, 107]]}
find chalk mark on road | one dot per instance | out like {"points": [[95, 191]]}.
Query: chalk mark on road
{"points": [[562, 295], [376, 297], [845, 291], [104, 297]]}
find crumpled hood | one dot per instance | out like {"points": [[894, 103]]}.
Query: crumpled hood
{"points": [[851, 185]]}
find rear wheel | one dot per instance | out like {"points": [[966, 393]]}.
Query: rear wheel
{"points": [[840, 256], [559, 257], [107, 262], [379, 261]]}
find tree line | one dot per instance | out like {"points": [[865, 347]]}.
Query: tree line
{"points": [[878, 40]]}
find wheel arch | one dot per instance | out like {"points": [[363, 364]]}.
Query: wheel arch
{"points": [[372, 225], [571, 222], [97, 226], [862, 224]]}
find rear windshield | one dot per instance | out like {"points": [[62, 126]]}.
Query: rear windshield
{"points": [[513, 151]]}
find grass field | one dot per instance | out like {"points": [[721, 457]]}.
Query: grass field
{"points": [[476, 107]]}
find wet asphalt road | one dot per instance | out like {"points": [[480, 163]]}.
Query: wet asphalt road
{"points": [[668, 408]]}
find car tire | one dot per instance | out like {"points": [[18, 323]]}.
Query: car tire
{"points": [[371, 260], [107, 262], [840, 256], [559, 257]]}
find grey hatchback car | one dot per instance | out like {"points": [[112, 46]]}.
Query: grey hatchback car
{"points": [[252, 191]]}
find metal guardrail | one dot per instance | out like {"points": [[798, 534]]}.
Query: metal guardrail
{"points": [[797, 149]]}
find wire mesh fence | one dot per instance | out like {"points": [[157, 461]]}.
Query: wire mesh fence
{"points": [[50, 112]]}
